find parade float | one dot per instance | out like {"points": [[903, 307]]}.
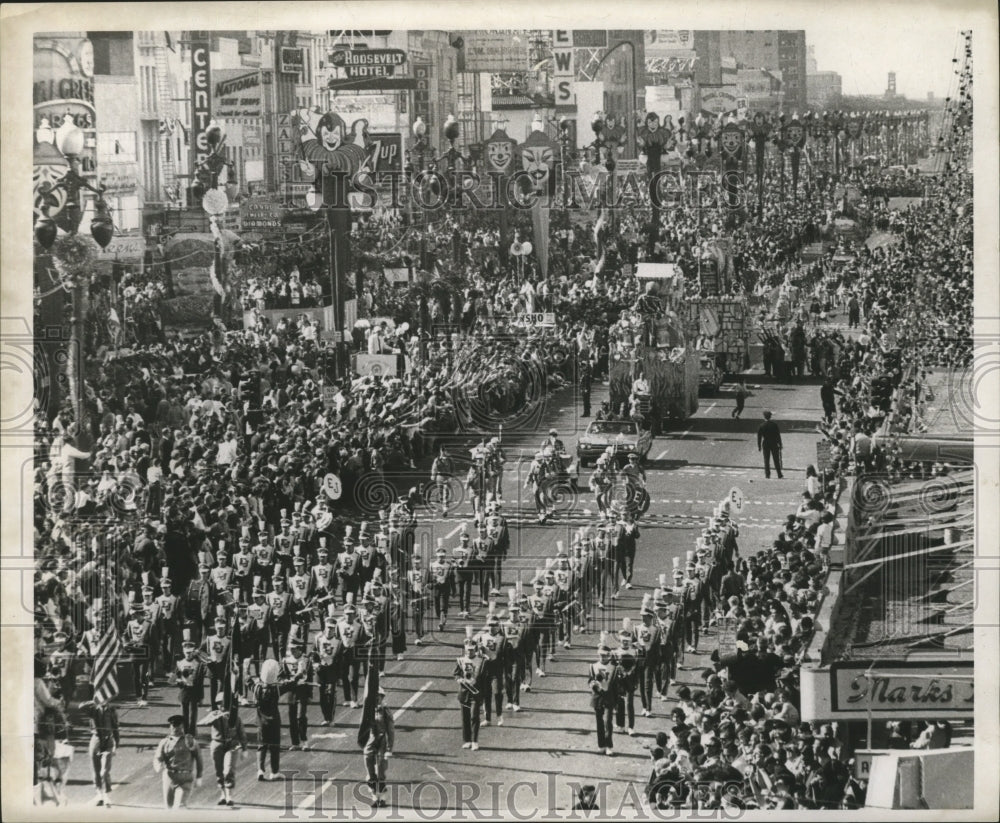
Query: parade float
{"points": [[649, 341]]}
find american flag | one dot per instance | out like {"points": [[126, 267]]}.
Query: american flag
{"points": [[109, 647]]}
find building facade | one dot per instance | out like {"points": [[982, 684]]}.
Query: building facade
{"points": [[824, 89]]}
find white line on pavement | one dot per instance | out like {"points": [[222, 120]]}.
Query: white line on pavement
{"points": [[454, 531], [308, 802], [711, 407], [411, 699], [662, 454]]}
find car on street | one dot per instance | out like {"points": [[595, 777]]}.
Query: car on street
{"points": [[623, 435], [709, 374]]}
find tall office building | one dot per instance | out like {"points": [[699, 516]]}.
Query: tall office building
{"points": [[776, 51]]}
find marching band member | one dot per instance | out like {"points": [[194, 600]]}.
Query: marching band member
{"points": [[418, 581], [300, 589], [190, 672], [515, 632], [550, 590], [541, 611], [297, 671], [441, 577], [482, 547], [243, 567], [263, 555], [279, 615], [222, 574], [648, 644], [139, 649], [246, 652], [537, 474], [328, 658], [393, 623], [259, 612], [266, 697], [323, 578], [214, 649], [493, 646], [346, 567], [603, 679], [469, 675], [352, 638], [565, 603], [170, 627], [693, 596], [464, 573], [627, 660]]}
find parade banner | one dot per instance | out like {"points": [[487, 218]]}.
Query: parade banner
{"points": [[501, 151], [538, 157], [732, 143], [795, 137], [760, 130]]}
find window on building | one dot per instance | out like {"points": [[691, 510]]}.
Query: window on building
{"points": [[116, 147], [151, 159], [126, 213]]}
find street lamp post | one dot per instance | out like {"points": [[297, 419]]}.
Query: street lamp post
{"points": [[69, 140]]}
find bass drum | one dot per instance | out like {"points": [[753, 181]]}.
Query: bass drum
{"points": [[625, 496]]}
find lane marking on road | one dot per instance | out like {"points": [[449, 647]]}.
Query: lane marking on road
{"points": [[662, 454], [308, 802], [711, 407], [411, 700], [453, 532]]}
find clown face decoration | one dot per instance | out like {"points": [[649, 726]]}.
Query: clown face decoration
{"points": [[331, 130], [500, 154], [796, 134], [537, 161], [731, 141]]}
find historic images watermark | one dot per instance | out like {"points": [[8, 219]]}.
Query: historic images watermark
{"points": [[310, 795], [433, 190]]}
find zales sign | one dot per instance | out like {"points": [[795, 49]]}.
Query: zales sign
{"points": [[913, 689]]}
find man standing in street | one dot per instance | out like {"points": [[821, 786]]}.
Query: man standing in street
{"points": [[104, 740], [228, 735], [827, 393], [378, 748], [741, 397], [769, 442], [585, 381], [179, 759]]}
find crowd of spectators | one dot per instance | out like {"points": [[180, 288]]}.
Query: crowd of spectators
{"points": [[189, 438]]}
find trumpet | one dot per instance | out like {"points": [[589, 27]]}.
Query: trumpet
{"points": [[469, 686]]}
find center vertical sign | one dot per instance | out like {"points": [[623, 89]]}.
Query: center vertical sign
{"points": [[201, 101]]}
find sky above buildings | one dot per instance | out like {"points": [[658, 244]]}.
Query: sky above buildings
{"points": [[864, 56]]}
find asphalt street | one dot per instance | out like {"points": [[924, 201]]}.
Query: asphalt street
{"points": [[533, 760]]}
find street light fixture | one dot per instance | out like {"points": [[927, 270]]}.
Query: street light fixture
{"points": [[70, 141]]}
